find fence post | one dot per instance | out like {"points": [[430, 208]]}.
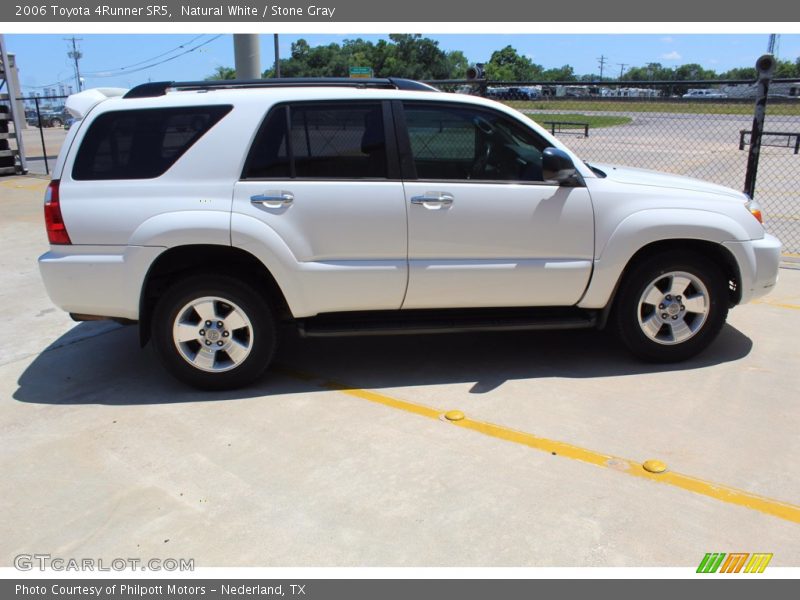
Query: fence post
{"points": [[41, 135], [765, 66]]}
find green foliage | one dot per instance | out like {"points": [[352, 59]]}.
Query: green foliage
{"points": [[565, 73], [508, 65], [416, 57], [739, 73], [222, 73], [404, 55], [787, 68]]}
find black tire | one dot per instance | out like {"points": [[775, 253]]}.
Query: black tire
{"points": [[56, 122], [628, 310], [261, 333]]}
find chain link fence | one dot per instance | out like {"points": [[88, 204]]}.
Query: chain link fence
{"points": [[43, 131], [698, 129], [694, 128]]}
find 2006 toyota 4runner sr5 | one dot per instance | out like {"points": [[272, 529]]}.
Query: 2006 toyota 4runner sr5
{"points": [[209, 212]]}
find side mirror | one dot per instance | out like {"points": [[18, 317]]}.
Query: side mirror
{"points": [[558, 166]]}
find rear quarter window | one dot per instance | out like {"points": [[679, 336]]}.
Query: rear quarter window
{"points": [[142, 143]]}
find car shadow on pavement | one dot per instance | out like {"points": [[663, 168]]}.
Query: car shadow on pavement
{"points": [[103, 364]]}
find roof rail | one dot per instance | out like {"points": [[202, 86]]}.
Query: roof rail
{"points": [[159, 88]]}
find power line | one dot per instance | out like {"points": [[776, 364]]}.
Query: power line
{"points": [[136, 64], [112, 74], [47, 85], [161, 62], [622, 68]]}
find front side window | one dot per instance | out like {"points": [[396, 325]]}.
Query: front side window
{"points": [[141, 144], [320, 140], [450, 142]]}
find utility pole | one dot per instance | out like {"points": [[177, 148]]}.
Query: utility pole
{"points": [[76, 55], [622, 69], [277, 58], [247, 56], [602, 60]]}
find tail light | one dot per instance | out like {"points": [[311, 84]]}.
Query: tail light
{"points": [[755, 210], [56, 230]]}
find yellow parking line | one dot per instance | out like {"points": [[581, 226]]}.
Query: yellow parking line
{"points": [[778, 304], [19, 185], [717, 491]]}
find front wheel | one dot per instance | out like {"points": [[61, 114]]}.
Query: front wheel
{"points": [[671, 307], [214, 332]]}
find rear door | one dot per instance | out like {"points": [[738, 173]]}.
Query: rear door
{"points": [[484, 228], [324, 176]]}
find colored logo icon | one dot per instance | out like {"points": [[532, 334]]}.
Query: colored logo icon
{"points": [[735, 562]]}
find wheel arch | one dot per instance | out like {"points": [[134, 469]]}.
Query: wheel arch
{"points": [[716, 252], [183, 261]]}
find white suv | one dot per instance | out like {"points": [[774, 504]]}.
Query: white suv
{"points": [[209, 212]]}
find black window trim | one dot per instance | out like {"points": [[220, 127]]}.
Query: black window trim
{"points": [[407, 157], [392, 161]]}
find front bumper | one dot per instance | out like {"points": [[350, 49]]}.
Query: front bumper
{"points": [[758, 265]]}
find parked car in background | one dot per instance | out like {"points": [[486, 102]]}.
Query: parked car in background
{"points": [[31, 118], [513, 93], [704, 94], [50, 117]]}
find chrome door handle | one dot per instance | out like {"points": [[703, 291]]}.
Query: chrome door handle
{"points": [[273, 199], [434, 200]]}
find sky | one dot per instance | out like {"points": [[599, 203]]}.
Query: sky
{"points": [[42, 58]]}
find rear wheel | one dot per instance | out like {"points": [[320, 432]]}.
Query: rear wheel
{"points": [[214, 332], [671, 307]]}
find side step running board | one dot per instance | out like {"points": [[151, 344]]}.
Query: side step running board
{"points": [[412, 322]]}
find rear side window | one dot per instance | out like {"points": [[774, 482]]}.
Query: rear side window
{"points": [[141, 144], [320, 140]]}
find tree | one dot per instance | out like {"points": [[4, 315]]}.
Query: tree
{"points": [[786, 68], [739, 73], [565, 73], [693, 71], [457, 65], [508, 65], [649, 72], [222, 73], [403, 55]]}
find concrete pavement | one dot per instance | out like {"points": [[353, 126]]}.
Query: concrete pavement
{"points": [[103, 455]]}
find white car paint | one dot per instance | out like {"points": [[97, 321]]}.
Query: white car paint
{"points": [[362, 245]]}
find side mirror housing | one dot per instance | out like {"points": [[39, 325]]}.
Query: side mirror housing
{"points": [[558, 166]]}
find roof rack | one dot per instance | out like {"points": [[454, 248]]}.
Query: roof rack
{"points": [[159, 88]]}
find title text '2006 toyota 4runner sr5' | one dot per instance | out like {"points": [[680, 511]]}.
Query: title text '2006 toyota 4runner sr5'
{"points": [[211, 211]]}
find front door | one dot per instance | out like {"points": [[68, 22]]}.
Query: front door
{"points": [[484, 228]]}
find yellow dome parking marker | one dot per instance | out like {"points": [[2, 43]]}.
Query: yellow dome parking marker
{"points": [[654, 466], [710, 489], [454, 415]]}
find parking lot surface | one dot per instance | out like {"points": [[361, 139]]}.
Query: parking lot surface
{"points": [[341, 456]]}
